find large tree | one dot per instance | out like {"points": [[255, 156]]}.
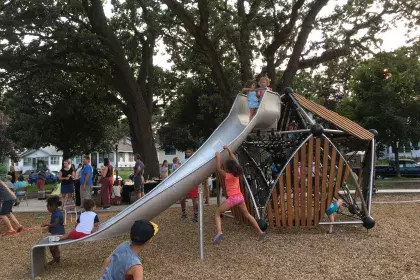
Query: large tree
{"points": [[386, 97], [278, 32], [76, 37]]}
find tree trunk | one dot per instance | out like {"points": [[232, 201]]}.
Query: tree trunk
{"points": [[244, 53], [142, 137], [397, 159], [271, 71]]}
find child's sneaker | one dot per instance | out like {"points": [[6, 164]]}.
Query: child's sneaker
{"points": [[194, 219], [183, 217], [217, 239], [261, 237]]}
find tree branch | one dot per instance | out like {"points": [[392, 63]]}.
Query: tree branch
{"points": [[203, 9], [324, 57]]}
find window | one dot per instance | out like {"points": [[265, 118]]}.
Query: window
{"points": [[27, 161], [55, 160], [410, 165], [121, 157], [170, 152], [44, 159], [131, 157]]}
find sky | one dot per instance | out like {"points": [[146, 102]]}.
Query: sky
{"points": [[392, 39]]}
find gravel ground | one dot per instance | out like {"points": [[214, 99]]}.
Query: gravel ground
{"points": [[389, 251]]}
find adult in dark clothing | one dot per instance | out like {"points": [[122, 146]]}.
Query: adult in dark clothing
{"points": [[67, 175], [12, 173]]}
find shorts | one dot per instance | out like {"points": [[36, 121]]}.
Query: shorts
{"points": [[67, 188], [332, 209], [193, 193], [77, 235], [85, 194], [138, 187], [236, 199], [40, 183], [7, 206]]}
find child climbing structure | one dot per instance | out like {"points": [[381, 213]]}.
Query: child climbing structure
{"points": [[292, 175]]}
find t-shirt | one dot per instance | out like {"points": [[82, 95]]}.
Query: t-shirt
{"points": [[175, 166], [42, 174], [86, 221], [4, 193], [64, 174], [163, 172], [59, 229], [87, 169], [138, 178], [232, 185], [79, 172], [20, 185], [122, 259]]}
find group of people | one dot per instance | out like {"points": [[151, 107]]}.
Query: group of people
{"points": [[255, 95]]}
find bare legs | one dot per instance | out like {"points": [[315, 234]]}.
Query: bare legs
{"points": [[223, 208], [7, 221], [184, 208], [331, 218], [252, 112]]}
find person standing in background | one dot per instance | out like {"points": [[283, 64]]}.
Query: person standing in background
{"points": [[12, 173], [86, 180], [164, 170], [176, 164], [193, 194], [77, 184], [41, 176], [106, 184], [138, 177]]}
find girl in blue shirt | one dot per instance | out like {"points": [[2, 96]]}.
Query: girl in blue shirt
{"points": [[253, 101], [56, 225]]}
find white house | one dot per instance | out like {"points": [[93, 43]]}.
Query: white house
{"points": [[53, 158]]}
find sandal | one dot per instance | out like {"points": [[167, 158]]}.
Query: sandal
{"points": [[19, 229], [10, 233], [217, 239]]}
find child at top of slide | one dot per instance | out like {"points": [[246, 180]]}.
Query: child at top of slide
{"points": [[85, 223], [233, 191], [335, 206], [253, 101], [264, 83]]}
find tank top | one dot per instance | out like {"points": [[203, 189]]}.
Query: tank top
{"points": [[232, 185], [122, 259], [65, 173]]}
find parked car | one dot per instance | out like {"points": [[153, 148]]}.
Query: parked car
{"points": [[51, 177], [408, 168]]}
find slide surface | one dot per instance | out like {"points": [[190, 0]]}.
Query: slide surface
{"points": [[232, 131]]}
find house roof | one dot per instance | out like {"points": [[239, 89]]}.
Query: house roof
{"points": [[342, 122], [50, 150], [124, 145]]}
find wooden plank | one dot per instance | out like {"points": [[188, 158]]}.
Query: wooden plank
{"points": [[289, 196], [296, 189], [324, 181], [276, 207], [332, 175], [303, 185], [270, 214], [309, 180], [338, 120], [282, 202], [339, 180], [317, 173]]}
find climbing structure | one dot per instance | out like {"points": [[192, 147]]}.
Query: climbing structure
{"points": [[293, 174]]}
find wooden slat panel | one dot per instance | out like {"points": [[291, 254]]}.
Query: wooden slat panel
{"points": [[309, 192], [324, 181], [334, 118], [276, 207], [346, 174], [289, 196], [317, 173], [332, 175], [282, 202], [339, 179], [303, 185], [296, 188], [270, 214]]}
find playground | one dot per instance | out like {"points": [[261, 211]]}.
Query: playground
{"points": [[385, 252]]}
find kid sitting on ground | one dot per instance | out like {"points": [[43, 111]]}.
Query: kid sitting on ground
{"points": [[253, 102], [335, 206], [85, 223], [125, 262], [56, 225], [8, 198]]}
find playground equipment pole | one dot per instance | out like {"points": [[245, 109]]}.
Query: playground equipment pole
{"points": [[200, 209], [372, 170], [252, 196], [342, 223]]}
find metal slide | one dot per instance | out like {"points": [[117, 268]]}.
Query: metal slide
{"points": [[232, 131]]}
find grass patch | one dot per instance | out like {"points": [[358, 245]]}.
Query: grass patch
{"points": [[124, 174]]}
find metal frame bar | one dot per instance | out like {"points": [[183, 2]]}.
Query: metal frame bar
{"points": [[255, 165], [372, 171], [252, 196], [301, 110], [357, 222], [334, 131], [201, 224], [293, 131]]}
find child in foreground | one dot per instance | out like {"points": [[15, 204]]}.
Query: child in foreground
{"points": [[56, 225], [125, 262], [335, 206], [253, 101], [235, 197], [6, 215], [85, 223]]}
